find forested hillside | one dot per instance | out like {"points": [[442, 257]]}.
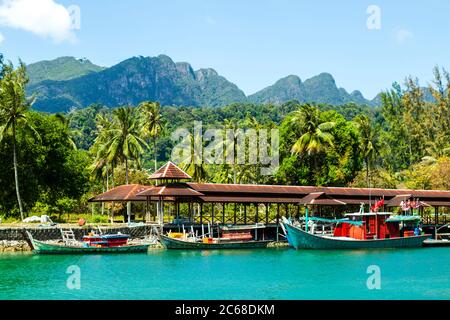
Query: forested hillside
{"points": [[63, 159]]}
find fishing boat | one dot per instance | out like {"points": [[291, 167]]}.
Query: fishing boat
{"points": [[229, 237], [373, 230], [92, 243]]}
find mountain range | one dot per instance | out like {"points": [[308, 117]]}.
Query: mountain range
{"points": [[66, 83]]}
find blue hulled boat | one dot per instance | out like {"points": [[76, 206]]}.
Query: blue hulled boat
{"points": [[358, 231]]}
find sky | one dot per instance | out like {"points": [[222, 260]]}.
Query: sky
{"points": [[365, 45]]}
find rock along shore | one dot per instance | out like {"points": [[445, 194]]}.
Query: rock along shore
{"points": [[7, 246]]}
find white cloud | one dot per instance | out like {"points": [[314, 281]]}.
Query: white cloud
{"points": [[2, 38], [403, 35], [45, 18]]}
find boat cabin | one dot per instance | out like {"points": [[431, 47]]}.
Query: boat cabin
{"points": [[106, 240], [376, 225]]}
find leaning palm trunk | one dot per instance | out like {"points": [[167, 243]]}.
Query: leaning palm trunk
{"points": [[126, 171], [16, 175], [126, 180], [156, 154], [367, 173]]}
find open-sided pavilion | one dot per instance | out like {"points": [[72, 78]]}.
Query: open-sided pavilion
{"points": [[174, 200]]}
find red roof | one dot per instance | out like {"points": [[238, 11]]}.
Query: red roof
{"points": [[126, 192], [304, 190], [252, 188], [310, 198], [259, 199], [170, 171], [174, 190], [226, 193]]}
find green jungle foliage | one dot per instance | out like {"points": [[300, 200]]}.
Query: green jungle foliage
{"points": [[62, 160]]}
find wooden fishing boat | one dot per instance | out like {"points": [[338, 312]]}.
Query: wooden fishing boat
{"points": [[55, 248], [230, 237], [174, 243], [373, 231], [109, 243]]}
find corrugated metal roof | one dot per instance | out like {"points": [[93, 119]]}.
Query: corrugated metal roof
{"points": [[174, 190], [170, 171], [309, 199], [304, 190], [272, 194], [243, 199], [436, 203], [328, 202], [251, 188], [126, 192], [397, 200], [358, 201]]}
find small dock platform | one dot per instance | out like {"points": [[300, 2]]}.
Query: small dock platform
{"points": [[436, 243]]}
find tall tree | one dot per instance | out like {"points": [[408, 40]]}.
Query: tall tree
{"points": [[152, 124], [193, 164], [13, 113], [315, 135], [64, 122], [101, 166], [123, 140], [438, 120], [367, 141]]}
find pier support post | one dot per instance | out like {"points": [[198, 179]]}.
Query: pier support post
{"points": [[436, 220], [256, 221], [201, 213], [278, 222], [245, 213]]}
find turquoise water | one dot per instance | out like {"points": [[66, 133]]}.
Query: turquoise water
{"points": [[247, 274]]}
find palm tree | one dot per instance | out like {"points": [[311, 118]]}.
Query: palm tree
{"points": [[315, 134], [152, 125], [100, 167], [13, 113], [64, 121], [194, 166], [367, 141], [231, 147], [123, 140]]}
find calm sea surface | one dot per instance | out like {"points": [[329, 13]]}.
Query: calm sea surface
{"points": [[243, 274]]}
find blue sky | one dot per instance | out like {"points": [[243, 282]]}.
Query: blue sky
{"points": [[252, 43]]}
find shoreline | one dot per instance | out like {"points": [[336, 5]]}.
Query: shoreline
{"points": [[14, 238], [11, 246]]}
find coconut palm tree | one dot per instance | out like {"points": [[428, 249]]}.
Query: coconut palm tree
{"points": [[367, 142], [315, 134], [13, 113], [194, 166], [123, 141], [100, 167], [64, 121], [231, 146], [152, 124]]}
